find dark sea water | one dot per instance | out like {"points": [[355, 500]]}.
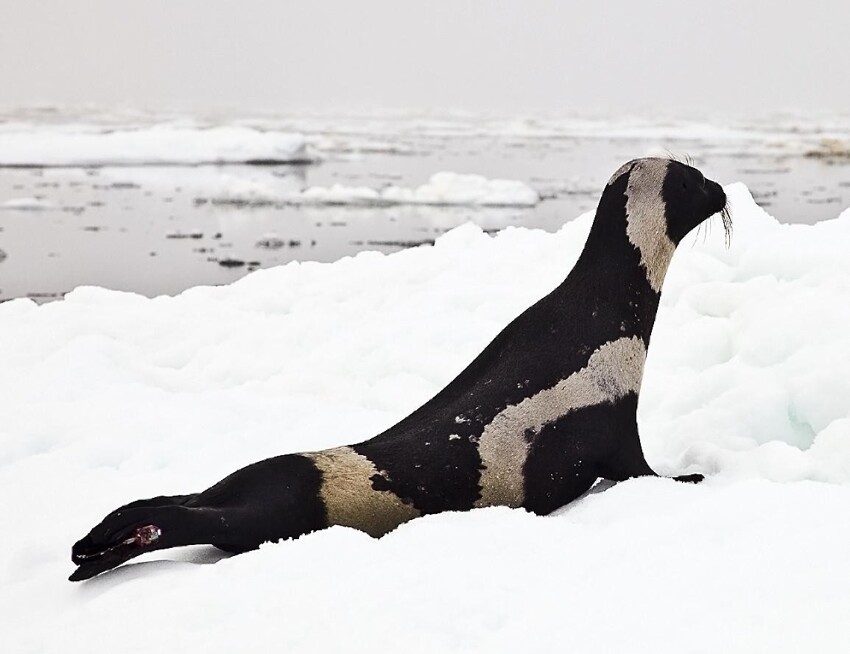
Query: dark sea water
{"points": [[151, 230]]}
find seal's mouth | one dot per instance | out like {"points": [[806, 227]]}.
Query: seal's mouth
{"points": [[92, 560]]}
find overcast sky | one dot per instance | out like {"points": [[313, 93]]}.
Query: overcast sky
{"points": [[716, 56]]}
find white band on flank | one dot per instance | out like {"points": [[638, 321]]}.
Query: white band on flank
{"points": [[646, 219], [349, 497], [614, 370]]}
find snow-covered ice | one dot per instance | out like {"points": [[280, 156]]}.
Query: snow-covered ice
{"points": [[453, 188], [442, 189], [108, 397], [163, 144], [27, 204]]}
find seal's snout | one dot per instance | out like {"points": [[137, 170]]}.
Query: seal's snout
{"points": [[717, 195]]}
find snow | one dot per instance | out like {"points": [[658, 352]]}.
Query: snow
{"points": [[452, 188], [107, 397], [442, 189], [27, 204], [25, 145]]}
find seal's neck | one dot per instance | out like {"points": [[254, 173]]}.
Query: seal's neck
{"points": [[624, 262], [646, 229], [635, 252]]}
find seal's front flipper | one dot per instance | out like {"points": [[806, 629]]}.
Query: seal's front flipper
{"points": [[690, 479], [628, 461], [640, 468]]}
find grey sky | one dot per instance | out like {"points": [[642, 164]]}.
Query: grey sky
{"points": [[726, 56]]}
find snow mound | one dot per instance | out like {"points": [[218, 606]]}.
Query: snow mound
{"points": [[452, 188], [442, 189], [108, 397], [157, 144]]}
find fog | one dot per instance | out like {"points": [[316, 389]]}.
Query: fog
{"points": [[717, 57]]}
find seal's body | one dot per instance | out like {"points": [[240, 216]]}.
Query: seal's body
{"points": [[546, 409]]}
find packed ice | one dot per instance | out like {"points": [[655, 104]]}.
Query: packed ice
{"points": [[163, 144], [442, 189]]}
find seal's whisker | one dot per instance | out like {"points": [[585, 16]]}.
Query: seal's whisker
{"points": [[726, 217], [683, 158], [696, 236]]}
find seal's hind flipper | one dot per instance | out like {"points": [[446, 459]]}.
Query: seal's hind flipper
{"points": [[144, 527], [161, 500]]}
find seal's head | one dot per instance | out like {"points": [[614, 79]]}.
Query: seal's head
{"points": [[656, 202], [677, 189]]}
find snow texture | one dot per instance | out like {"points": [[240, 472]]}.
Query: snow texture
{"points": [[157, 144], [108, 397]]}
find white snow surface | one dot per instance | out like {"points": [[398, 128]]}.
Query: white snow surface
{"points": [[74, 145], [441, 189], [27, 204], [107, 397]]}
